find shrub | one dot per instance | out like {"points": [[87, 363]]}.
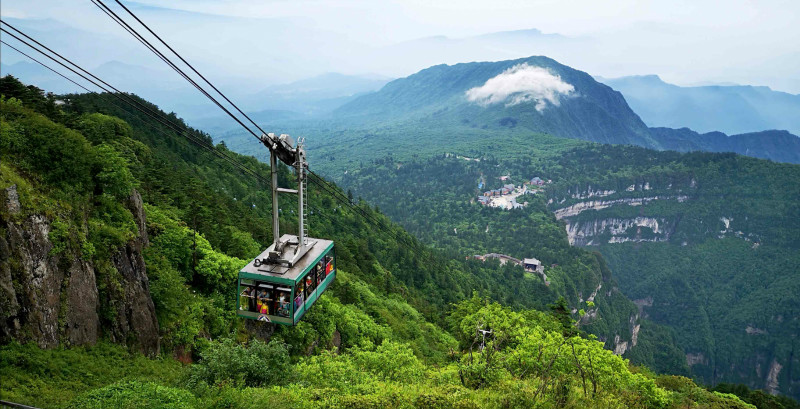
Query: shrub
{"points": [[258, 364]]}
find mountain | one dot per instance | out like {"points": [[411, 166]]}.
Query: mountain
{"points": [[705, 244], [726, 108], [120, 244], [535, 93], [540, 95], [690, 235]]}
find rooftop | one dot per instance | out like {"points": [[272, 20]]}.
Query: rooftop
{"points": [[309, 259]]}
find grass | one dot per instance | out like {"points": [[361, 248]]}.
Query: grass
{"points": [[51, 378]]}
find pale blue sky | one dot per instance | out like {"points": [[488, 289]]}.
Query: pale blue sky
{"points": [[684, 41]]}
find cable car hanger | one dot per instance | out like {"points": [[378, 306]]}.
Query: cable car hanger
{"points": [[291, 249]]}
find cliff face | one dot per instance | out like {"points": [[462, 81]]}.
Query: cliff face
{"points": [[52, 298]]}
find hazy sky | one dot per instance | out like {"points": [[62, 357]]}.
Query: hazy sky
{"points": [[684, 41]]}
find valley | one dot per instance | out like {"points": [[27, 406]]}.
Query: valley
{"points": [[400, 147], [498, 233], [661, 219]]}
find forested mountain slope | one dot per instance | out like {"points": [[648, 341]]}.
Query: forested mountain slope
{"points": [[540, 95], [535, 93], [706, 244], [190, 224]]}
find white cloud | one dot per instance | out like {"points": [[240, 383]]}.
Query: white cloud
{"points": [[522, 83]]}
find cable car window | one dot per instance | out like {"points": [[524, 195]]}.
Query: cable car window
{"points": [[264, 298], [299, 298], [320, 267], [247, 297], [328, 265], [281, 303], [310, 283]]}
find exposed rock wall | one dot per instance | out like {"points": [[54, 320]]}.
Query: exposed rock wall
{"points": [[585, 233], [580, 207], [53, 299], [135, 322]]}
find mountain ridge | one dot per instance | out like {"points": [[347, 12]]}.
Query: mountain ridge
{"points": [[706, 108], [589, 110], [595, 112]]}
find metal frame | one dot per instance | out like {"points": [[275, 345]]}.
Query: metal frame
{"points": [[295, 156]]}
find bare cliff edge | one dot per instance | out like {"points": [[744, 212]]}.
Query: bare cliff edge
{"points": [[54, 299]]}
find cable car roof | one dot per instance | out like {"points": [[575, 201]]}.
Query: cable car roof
{"points": [[281, 272]]}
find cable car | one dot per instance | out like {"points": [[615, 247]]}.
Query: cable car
{"points": [[280, 294], [285, 280]]}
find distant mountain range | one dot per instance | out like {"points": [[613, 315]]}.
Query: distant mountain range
{"points": [[725, 108], [536, 93], [542, 95], [779, 146]]}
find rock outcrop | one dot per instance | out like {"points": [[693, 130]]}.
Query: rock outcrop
{"points": [[135, 322], [52, 298], [580, 207], [615, 230]]}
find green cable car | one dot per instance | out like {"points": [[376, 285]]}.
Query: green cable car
{"points": [[280, 294], [285, 280]]}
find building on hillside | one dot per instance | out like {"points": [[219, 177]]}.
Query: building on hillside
{"points": [[537, 181], [532, 264], [483, 200], [487, 193], [509, 186], [503, 258]]}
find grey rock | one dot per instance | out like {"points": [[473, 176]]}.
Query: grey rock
{"points": [[38, 278], [12, 199], [135, 323], [260, 330], [53, 299], [82, 324]]}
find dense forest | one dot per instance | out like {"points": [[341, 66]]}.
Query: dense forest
{"points": [[705, 244], [87, 183]]}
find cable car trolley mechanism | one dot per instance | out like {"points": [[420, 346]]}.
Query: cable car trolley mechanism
{"points": [[285, 280]]}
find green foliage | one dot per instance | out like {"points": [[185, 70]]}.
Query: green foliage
{"points": [[49, 378], [257, 364], [113, 176], [59, 236], [757, 398], [135, 394], [99, 128], [390, 361], [241, 244], [726, 278], [13, 92], [433, 198]]}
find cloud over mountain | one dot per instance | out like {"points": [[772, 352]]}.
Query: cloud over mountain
{"points": [[521, 83]]}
